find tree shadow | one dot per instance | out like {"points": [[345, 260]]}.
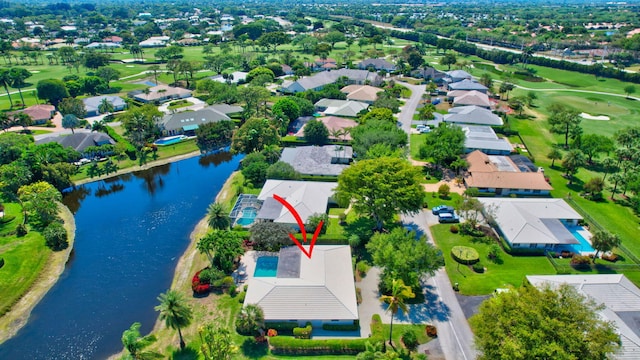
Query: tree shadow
{"points": [[362, 227], [253, 349], [432, 308], [185, 354]]}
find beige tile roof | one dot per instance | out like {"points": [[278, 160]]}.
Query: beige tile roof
{"points": [[485, 174], [333, 123], [366, 93]]}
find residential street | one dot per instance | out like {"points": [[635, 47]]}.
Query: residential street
{"points": [[406, 112]]}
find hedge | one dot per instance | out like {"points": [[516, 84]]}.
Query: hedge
{"points": [[130, 149], [282, 327], [303, 332], [342, 327], [465, 255]]}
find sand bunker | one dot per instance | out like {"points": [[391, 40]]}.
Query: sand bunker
{"points": [[591, 117]]}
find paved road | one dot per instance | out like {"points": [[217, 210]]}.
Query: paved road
{"points": [[454, 334], [409, 108]]}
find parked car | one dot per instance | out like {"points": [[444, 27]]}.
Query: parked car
{"points": [[425, 130], [441, 209], [448, 218]]}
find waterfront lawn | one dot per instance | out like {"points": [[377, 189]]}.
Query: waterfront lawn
{"points": [[24, 258], [509, 270]]}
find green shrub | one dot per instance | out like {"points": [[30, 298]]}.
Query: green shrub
{"points": [[228, 281], [7, 219], [580, 260], [303, 332], [210, 275], [376, 325], [465, 255], [21, 230], [358, 296], [342, 327], [232, 290], [1, 262], [283, 327], [479, 268], [55, 236], [363, 267], [410, 339], [283, 345], [454, 229], [241, 297]]}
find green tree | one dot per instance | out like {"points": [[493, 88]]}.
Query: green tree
{"points": [[254, 97], [382, 114], [395, 301], [517, 104], [375, 134], [288, 107], [52, 90], [215, 135], [448, 59], [72, 106], [554, 155], [218, 217], [260, 71], [381, 188], [70, 121], [316, 133], [40, 199], [282, 171], [573, 160], [563, 120], [443, 144], [108, 74], [603, 241], [486, 80], [175, 312], [594, 144], [426, 112], [140, 125], [274, 39], [401, 256], [5, 80], [254, 135], [334, 37], [105, 107], [222, 247], [55, 236], [314, 220], [216, 342], [23, 119], [18, 76], [505, 88], [527, 323], [594, 188], [250, 320], [269, 236], [135, 344], [629, 89]]}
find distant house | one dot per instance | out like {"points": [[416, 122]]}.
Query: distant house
{"points": [[468, 85], [333, 123], [286, 69], [160, 93], [307, 197], [472, 115], [468, 98], [102, 45], [155, 41], [320, 289], [186, 123], [113, 39], [40, 114], [346, 108], [377, 64], [233, 78], [364, 93], [322, 79], [79, 141], [500, 175], [619, 296], [483, 138], [458, 75], [429, 74], [92, 104], [533, 223], [327, 160]]}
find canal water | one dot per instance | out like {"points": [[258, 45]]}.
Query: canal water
{"points": [[130, 232]]}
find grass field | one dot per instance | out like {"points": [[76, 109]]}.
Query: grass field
{"points": [[509, 270], [24, 258]]}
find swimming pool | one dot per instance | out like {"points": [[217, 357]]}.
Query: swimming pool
{"points": [[585, 245], [170, 140], [248, 216], [266, 266]]}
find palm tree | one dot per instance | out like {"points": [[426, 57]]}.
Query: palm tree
{"points": [[396, 301], [155, 69], [23, 119], [105, 106], [554, 155], [250, 320], [18, 76], [175, 312], [135, 343], [5, 80], [218, 217]]}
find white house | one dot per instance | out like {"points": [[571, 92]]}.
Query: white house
{"points": [[319, 290], [306, 197]]}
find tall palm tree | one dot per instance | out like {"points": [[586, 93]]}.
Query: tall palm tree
{"points": [[135, 344], [175, 312], [396, 301], [5, 80], [105, 107], [155, 69], [218, 217], [18, 76]]}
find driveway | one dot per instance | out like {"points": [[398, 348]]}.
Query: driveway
{"points": [[197, 105]]}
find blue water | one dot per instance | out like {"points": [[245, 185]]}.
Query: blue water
{"points": [[266, 266], [248, 216], [130, 233], [168, 141], [584, 243]]}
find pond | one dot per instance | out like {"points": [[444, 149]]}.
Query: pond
{"points": [[130, 232]]}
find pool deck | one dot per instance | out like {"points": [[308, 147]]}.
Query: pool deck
{"points": [[244, 273]]}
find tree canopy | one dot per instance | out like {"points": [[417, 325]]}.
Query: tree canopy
{"points": [[254, 135], [527, 323], [443, 144]]}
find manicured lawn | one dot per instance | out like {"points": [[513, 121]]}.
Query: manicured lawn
{"points": [[399, 329], [24, 258], [415, 141], [510, 270]]}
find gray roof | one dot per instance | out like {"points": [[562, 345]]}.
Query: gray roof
{"points": [[532, 221], [620, 297], [467, 84], [347, 108], [483, 137], [472, 115], [324, 289], [92, 104], [79, 141], [189, 119], [317, 160], [378, 64], [329, 77], [459, 74], [307, 197]]}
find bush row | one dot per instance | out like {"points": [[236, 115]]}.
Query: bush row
{"points": [[303, 332], [282, 327], [342, 327], [130, 149]]}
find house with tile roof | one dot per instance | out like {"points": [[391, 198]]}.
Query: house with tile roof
{"points": [[468, 85], [41, 113], [533, 223], [320, 289], [458, 75], [160, 94], [79, 141], [472, 115], [333, 123], [186, 123], [429, 74], [364, 93], [327, 160], [346, 108], [484, 138], [500, 175], [306, 197], [377, 64], [620, 298], [324, 78], [92, 104], [469, 98]]}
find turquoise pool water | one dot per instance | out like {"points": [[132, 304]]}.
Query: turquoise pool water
{"points": [[584, 243], [266, 266], [248, 216], [169, 140]]}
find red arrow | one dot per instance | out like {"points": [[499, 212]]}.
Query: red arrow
{"points": [[301, 226]]}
